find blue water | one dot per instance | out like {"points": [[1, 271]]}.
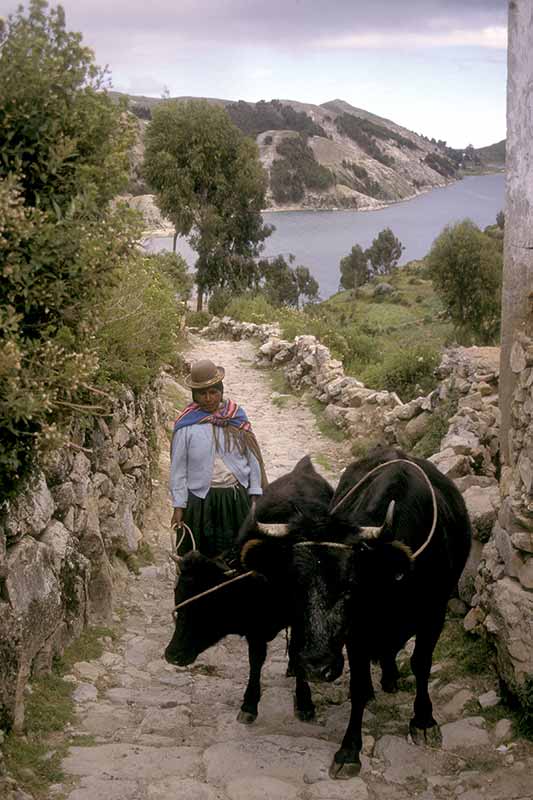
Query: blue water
{"points": [[319, 239]]}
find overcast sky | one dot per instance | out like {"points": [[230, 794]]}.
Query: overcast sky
{"points": [[436, 66]]}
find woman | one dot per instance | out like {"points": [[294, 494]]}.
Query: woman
{"points": [[216, 464]]}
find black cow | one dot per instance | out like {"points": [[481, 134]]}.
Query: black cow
{"points": [[250, 607], [371, 584]]}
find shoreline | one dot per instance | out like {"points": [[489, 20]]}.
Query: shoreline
{"points": [[164, 232]]}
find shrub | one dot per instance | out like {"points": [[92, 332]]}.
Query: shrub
{"points": [[198, 319], [219, 300], [64, 148], [408, 372], [466, 267], [252, 308], [140, 325]]}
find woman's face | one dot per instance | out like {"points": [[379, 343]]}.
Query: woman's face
{"points": [[208, 399]]}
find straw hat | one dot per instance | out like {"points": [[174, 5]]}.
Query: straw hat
{"points": [[204, 374]]}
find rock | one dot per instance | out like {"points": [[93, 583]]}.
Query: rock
{"points": [[468, 732], [482, 505], [403, 760], [85, 693], [455, 706], [450, 464], [31, 511], [417, 427], [132, 762], [503, 731], [383, 289], [488, 699]]}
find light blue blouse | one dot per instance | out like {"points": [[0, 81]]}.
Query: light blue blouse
{"points": [[193, 458]]}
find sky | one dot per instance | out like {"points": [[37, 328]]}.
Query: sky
{"points": [[438, 67]]}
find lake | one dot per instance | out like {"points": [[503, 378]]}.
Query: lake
{"points": [[319, 239]]}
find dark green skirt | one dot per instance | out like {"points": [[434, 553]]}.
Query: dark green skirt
{"points": [[215, 520]]}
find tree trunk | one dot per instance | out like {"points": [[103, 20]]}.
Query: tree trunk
{"points": [[200, 299], [174, 240], [517, 307]]}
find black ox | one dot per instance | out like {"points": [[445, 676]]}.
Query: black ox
{"points": [[369, 575], [251, 607]]}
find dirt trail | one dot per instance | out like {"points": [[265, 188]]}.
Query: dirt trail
{"points": [[156, 731]]}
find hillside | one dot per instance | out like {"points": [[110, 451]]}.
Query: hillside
{"points": [[328, 156]]}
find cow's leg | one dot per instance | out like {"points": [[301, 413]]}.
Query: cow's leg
{"points": [[257, 650], [346, 763], [304, 707], [423, 728], [389, 672]]}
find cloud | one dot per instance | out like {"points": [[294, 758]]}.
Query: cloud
{"points": [[276, 22], [491, 37]]}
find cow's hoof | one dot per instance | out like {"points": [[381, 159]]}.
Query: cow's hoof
{"points": [[431, 736], [344, 771], [246, 717]]}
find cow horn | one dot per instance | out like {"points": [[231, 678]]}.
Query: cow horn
{"points": [[372, 532], [277, 531]]}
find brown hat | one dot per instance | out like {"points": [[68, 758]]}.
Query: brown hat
{"points": [[204, 374]]}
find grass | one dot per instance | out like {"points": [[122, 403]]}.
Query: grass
{"points": [[323, 461], [34, 758], [471, 655], [325, 427]]}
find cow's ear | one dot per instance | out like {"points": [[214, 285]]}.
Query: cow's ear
{"points": [[261, 555]]}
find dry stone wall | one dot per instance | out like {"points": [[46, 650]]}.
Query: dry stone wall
{"points": [[504, 599], [67, 537]]}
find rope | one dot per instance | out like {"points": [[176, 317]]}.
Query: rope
{"points": [[174, 548], [372, 471], [212, 589]]}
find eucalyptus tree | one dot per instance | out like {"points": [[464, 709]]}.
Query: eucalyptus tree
{"points": [[210, 184]]}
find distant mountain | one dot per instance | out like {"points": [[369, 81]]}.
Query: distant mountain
{"points": [[329, 156]]}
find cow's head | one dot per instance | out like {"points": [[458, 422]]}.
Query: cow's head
{"points": [[203, 622], [334, 584]]}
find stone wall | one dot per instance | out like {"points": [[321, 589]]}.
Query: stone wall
{"points": [[504, 599], [67, 537]]}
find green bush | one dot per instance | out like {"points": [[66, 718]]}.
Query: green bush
{"points": [[140, 325], [252, 308], [64, 148], [219, 300], [198, 319], [409, 372]]}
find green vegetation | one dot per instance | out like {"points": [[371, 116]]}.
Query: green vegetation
{"points": [[377, 339], [34, 758], [255, 118], [209, 182], [296, 171], [466, 267], [380, 259], [325, 427], [438, 425], [471, 654], [441, 164], [284, 285], [410, 372], [354, 268], [64, 148], [364, 133], [140, 322]]}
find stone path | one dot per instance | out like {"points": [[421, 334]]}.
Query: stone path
{"points": [[154, 731]]}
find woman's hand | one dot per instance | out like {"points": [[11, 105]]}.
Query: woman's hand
{"points": [[177, 518]]}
